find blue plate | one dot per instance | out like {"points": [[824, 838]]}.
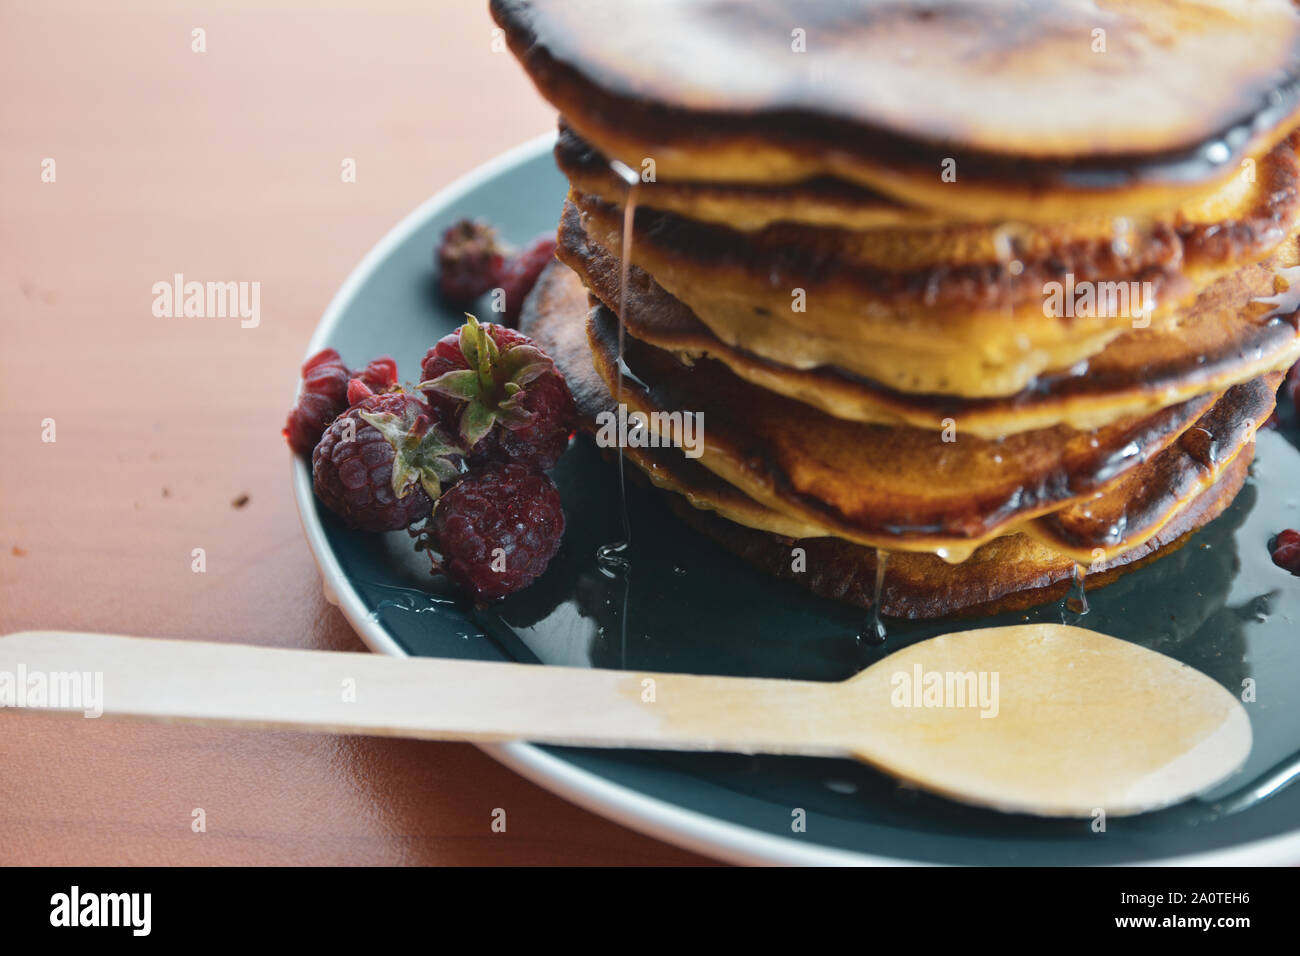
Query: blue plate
{"points": [[1219, 604]]}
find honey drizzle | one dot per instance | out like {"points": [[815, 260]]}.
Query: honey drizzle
{"points": [[613, 557], [875, 632], [1076, 602]]}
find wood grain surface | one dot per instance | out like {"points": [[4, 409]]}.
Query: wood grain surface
{"points": [[221, 165]]}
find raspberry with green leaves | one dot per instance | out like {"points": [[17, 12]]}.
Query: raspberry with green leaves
{"points": [[497, 529], [383, 462], [504, 397]]}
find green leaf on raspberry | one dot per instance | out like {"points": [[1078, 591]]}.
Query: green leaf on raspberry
{"points": [[422, 453], [479, 349], [475, 422], [462, 384], [493, 385], [524, 363]]}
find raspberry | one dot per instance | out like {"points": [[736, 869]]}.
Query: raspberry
{"points": [[501, 393], [469, 260], [1286, 551], [381, 464], [324, 395], [359, 391], [497, 529], [380, 374], [520, 274]]}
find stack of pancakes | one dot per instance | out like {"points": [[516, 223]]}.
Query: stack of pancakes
{"points": [[1001, 290]]}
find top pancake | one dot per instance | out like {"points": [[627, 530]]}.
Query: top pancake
{"points": [[822, 201], [1041, 123], [1248, 201]]}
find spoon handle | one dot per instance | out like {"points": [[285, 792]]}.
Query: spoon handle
{"points": [[430, 698]]}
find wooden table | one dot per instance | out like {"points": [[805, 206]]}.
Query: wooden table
{"points": [[221, 165]]}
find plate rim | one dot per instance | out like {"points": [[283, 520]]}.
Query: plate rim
{"points": [[666, 821]]}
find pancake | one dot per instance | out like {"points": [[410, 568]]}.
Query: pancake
{"points": [[1104, 531], [1042, 125], [1010, 571], [1219, 343], [1159, 474], [1120, 515], [1243, 211], [911, 500], [900, 488], [558, 321], [975, 333], [1137, 506], [1100, 532], [822, 201], [1241, 412]]}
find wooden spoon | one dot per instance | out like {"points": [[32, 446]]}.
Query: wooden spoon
{"points": [[1040, 718]]}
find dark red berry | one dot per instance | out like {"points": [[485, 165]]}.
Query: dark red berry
{"points": [[504, 397], [324, 395], [520, 274], [382, 463], [470, 260], [379, 374], [497, 529], [1286, 551], [359, 391]]}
